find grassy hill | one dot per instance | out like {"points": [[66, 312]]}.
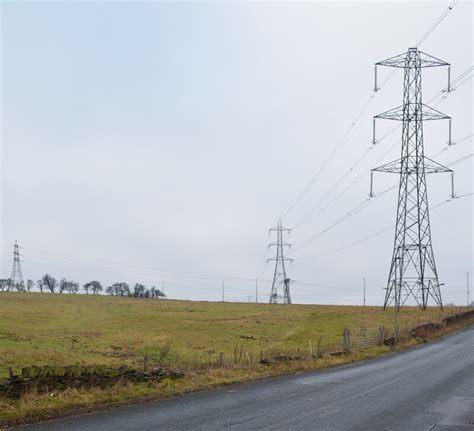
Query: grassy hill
{"points": [[191, 337], [45, 329]]}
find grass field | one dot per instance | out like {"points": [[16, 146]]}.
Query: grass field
{"points": [[45, 329]]}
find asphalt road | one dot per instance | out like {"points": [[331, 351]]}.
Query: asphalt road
{"points": [[430, 387]]}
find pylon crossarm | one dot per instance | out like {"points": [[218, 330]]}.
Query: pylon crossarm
{"points": [[400, 113], [276, 244], [429, 167], [401, 60], [430, 61], [279, 229], [391, 167], [284, 259], [392, 114], [428, 113], [432, 167]]}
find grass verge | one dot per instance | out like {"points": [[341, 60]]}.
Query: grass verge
{"points": [[33, 407]]}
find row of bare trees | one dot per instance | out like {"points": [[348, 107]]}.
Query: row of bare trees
{"points": [[139, 291], [51, 284]]}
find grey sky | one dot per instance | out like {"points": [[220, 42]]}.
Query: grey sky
{"points": [[159, 141]]}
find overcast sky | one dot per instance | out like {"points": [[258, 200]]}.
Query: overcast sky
{"points": [[151, 142]]}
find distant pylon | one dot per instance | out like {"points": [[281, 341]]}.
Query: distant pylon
{"points": [[17, 276], [281, 283], [413, 268]]}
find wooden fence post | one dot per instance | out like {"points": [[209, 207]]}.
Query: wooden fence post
{"points": [[310, 348], [145, 361], [382, 335], [319, 348], [347, 340], [221, 358]]}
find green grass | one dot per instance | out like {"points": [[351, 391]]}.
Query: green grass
{"points": [[45, 329]]}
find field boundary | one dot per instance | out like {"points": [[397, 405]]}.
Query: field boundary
{"points": [[434, 332]]}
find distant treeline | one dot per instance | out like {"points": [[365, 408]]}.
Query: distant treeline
{"points": [[50, 284]]}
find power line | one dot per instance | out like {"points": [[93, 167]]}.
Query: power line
{"points": [[107, 266], [363, 109], [359, 207], [461, 159], [380, 232], [307, 217], [447, 147], [331, 155], [436, 23]]}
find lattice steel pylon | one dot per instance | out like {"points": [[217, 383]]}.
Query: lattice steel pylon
{"points": [[413, 268], [281, 283], [17, 276]]}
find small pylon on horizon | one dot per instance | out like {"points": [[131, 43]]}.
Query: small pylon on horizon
{"points": [[281, 283], [16, 278]]}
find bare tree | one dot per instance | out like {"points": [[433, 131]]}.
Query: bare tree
{"points": [[29, 285], [40, 284], [119, 289], [72, 287], [94, 286], [139, 291], [50, 282], [68, 286], [63, 285], [156, 293], [123, 289]]}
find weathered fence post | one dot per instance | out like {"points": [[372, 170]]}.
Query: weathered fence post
{"points": [[319, 347], [221, 358], [310, 348], [382, 335], [347, 340], [145, 361]]}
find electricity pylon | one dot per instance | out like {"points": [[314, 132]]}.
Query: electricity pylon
{"points": [[281, 283], [17, 276], [413, 268]]}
